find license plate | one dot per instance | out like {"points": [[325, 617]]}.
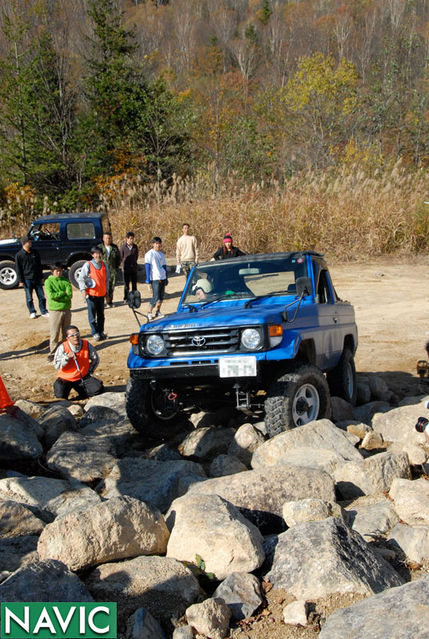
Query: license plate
{"points": [[237, 366]]}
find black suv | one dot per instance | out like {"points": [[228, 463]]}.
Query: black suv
{"points": [[66, 238]]}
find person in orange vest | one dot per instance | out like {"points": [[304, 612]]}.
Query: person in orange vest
{"points": [[93, 282], [75, 359]]}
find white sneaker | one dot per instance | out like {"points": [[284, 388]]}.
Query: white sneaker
{"points": [[45, 314], [149, 317], [96, 337], [33, 315]]}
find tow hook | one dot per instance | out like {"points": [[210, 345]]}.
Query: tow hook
{"points": [[172, 396]]}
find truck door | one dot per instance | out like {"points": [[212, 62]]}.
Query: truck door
{"points": [[46, 240], [330, 328]]}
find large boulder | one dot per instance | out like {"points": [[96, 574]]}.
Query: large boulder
{"points": [[412, 541], [411, 500], [320, 558], [401, 613], [164, 586], [82, 457], [321, 435], [397, 424], [16, 552], [299, 512], [55, 421], [115, 436], [226, 465], [242, 594], [16, 520], [119, 528], [210, 618], [18, 441], [246, 440], [372, 475], [372, 520], [109, 400], [48, 580], [260, 494], [207, 442], [151, 481], [32, 491], [209, 526]]}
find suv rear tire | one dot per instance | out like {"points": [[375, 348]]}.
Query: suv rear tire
{"points": [[342, 378], [295, 399], [74, 272], [8, 275]]}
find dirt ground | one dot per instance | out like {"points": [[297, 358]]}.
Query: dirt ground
{"points": [[391, 308], [392, 315]]}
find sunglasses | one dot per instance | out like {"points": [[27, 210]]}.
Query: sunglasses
{"points": [[74, 335]]}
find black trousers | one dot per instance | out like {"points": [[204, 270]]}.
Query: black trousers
{"points": [[86, 387], [129, 277]]}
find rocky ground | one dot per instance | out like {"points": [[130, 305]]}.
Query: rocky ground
{"points": [[213, 530]]}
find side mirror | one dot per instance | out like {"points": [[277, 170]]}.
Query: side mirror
{"points": [[134, 299], [303, 286]]}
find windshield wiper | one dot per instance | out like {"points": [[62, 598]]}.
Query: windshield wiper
{"points": [[260, 297], [213, 301]]}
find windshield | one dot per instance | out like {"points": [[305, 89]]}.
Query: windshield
{"points": [[244, 279]]}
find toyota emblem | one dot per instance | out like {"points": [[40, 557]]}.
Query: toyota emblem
{"points": [[198, 340]]}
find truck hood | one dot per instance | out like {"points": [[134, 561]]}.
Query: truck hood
{"points": [[230, 313]]}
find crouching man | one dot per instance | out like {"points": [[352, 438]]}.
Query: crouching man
{"points": [[75, 359]]}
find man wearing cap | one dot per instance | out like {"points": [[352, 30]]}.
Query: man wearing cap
{"points": [[75, 359], [29, 270], [202, 289], [93, 283], [227, 250]]}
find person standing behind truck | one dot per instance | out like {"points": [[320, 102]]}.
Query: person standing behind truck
{"points": [[112, 258], [227, 250], [59, 293], [93, 282], [186, 250], [156, 277], [29, 270], [129, 257]]}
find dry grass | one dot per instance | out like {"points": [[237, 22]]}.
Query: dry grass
{"points": [[346, 215]]}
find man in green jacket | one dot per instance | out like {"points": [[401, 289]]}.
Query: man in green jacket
{"points": [[111, 256], [59, 294]]}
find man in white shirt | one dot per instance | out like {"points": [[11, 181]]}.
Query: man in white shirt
{"points": [[156, 277], [187, 250]]}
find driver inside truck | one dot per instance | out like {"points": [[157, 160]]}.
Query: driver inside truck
{"points": [[202, 289]]}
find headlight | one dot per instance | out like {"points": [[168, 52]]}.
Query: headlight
{"points": [[155, 345], [251, 339]]}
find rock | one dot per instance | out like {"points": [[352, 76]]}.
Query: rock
{"points": [[260, 495], [76, 498], [183, 632], [295, 613], [163, 586], [120, 528], [246, 440], [204, 419], [372, 475], [32, 491], [363, 392], [16, 552], [372, 441], [48, 580], [114, 436], [242, 594], [413, 541], [411, 499], [417, 455], [225, 465], [142, 625], [76, 410], [359, 429], [397, 424], [110, 400], [55, 421], [299, 512], [209, 526], [18, 441], [340, 409], [372, 520], [210, 618], [81, 457], [156, 483], [366, 412], [163, 453], [320, 434], [401, 613], [16, 520], [379, 388], [320, 459], [32, 409], [205, 443], [319, 558]]}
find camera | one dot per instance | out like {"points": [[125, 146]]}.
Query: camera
{"points": [[421, 424]]}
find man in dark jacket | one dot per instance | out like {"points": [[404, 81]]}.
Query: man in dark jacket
{"points": [[111, 256], [29, 270], [129, 257]]}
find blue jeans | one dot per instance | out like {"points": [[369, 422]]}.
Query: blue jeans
{"points": [[158, 289], [29, 287], [95, 314]]}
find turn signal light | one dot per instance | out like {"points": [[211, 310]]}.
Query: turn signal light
{"points": [[134, 338], [276, 330]]}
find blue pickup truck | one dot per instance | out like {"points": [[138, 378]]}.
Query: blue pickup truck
{"points": [[264, 331], [65, 238]]}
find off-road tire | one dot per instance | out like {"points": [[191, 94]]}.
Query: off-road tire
{"points": [[342, 378], [8, 275], [285, 404], [74, 268], [136, 404]]}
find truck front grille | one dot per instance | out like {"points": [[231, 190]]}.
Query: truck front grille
{"points": [[207, 340]]}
